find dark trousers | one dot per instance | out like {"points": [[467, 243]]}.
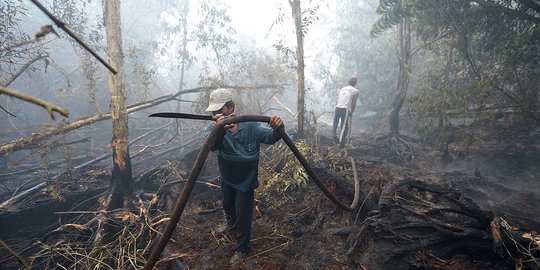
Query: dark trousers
{"points": [[238, 208], [340, 117]]}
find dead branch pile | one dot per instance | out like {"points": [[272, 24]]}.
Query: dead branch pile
{"points": [[77, 239], [433, 226]]}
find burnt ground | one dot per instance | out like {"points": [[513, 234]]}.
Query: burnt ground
{"points": [[296, 227]]}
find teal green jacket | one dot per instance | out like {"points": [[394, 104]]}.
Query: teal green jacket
{"points": [[238, 154]]}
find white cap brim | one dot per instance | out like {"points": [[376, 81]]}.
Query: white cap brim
{"points": [[215, 106]]}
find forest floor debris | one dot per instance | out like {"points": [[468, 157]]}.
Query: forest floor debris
{"points": [[415, 213]]}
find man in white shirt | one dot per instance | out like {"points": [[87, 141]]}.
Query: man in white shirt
{"points": [[345, 106]]}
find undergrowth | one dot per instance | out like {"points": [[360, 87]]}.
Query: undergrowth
{"points": [[281, 173]]}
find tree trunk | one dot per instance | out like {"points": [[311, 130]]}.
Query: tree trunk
{"points": [[404, 56], [122, 179], [183, 51], [442, 129], [184, 54], [297, 15]]}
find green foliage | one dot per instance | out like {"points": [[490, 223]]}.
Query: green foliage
{"points": [[285, 172], [12, 14], [392, 12], [213, 31], [258, 68], [91, 76], [280, 171], [138, 72], [353, 52], [201, 35], [309, 16], [441, 87], [73, 14], [482, 62], [283, 49]]}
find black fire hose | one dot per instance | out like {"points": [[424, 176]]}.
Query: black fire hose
{"points": [[201, 158]]}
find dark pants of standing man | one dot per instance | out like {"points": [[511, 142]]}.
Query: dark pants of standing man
{"points": [[340, 116], [238, 208]]}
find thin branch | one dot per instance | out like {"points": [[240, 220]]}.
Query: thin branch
{"points": [[156, 145], [3, 109], [72, 35], [20, 44], [415, 50], [106, 155], [21, 70], [284, 107], [513, 99], [17, 256], [51, 108]]}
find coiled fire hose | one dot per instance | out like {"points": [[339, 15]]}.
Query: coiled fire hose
{"points": [[201, 158]]}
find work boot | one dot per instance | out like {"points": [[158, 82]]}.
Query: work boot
{"points": [[226, 231], [238, 257]]}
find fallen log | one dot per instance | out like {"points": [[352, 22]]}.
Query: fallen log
{"points": [[8, 205], [50, 165], [81, 122], [109, 155]]}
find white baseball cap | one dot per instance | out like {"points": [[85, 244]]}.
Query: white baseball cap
{"points": [[218, 98]]}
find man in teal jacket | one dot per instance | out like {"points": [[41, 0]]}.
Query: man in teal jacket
{"points": [[238, 161]]}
